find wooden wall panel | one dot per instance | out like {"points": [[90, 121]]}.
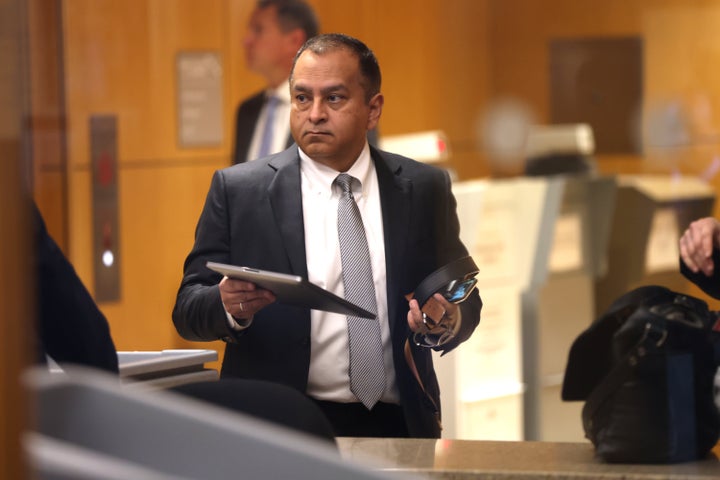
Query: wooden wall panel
{"points": [[154, 249], [46, 122], [681, 73], [47, 113], [519, 35], [120, 60], [17, 333], [434, 60], [685, 37]]}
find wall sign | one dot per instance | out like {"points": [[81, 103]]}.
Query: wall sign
{"points": [[200, 105]]}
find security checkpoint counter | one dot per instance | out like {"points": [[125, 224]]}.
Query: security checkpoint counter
{"points": [[491, 460]]}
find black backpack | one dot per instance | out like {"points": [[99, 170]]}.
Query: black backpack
{"points": [[646, 369]]}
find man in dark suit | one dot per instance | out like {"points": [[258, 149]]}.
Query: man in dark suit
{"points": [[281, 213], [276, 30]]}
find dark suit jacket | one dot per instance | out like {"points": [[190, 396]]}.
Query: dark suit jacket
{"points": [[246, 118], [253, 217], [71, 328], [709, 285]]}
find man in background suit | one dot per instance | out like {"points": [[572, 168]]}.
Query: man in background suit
{"points": [[276, 30], [280, 213]]}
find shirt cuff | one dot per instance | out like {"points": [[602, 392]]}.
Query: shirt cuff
{"points": [[237, 324]]}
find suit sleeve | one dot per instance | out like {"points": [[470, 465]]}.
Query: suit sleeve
{"points": [[198, 313], [709, 285], [453, 248], [71, 327]]}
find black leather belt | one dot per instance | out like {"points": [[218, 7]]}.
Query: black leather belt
{"points": [[456, 271], [454, 280]]}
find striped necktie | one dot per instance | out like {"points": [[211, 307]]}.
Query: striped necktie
{"points": [[367, 373], [267, 136]]}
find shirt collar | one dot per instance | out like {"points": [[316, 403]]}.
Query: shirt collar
{"points": [[282, 92], [322, 176]]}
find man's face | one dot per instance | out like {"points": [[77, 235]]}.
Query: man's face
{"points": [[267, 47], [330, 117]]}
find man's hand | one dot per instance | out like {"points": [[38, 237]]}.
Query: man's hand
{"points": [[697, 243], [441, 316], [243, 299]]}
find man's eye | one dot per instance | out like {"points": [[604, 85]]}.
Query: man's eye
{"points": [[301, 98], [334, 98]]}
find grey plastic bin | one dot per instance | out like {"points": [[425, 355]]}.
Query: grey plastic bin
{"points": [[168, 434]]}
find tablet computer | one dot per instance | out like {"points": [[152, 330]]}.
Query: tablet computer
{"points": [[292, 289]]}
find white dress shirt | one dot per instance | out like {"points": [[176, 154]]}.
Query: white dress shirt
{"points": [[329, 357], [281, 122]]}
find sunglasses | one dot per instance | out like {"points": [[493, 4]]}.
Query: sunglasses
{"points": [[457, 291]]}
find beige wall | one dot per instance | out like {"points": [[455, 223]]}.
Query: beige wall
{"points": [[442, 62]]}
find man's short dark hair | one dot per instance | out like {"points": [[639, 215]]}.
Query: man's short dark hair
{"points": [[330, 42], [293, 14]]}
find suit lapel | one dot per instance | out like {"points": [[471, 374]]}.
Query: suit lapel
{"points": [[245, 125], [395, 197], [286, 201]]}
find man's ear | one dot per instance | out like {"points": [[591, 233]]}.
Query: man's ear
{"points": [[376, 103], [296, 38]]}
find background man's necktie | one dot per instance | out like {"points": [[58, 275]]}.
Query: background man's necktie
{"points": [[267, 136], [367, 373]]}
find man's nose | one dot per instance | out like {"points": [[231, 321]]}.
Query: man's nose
{"points": [[318, 111]]}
